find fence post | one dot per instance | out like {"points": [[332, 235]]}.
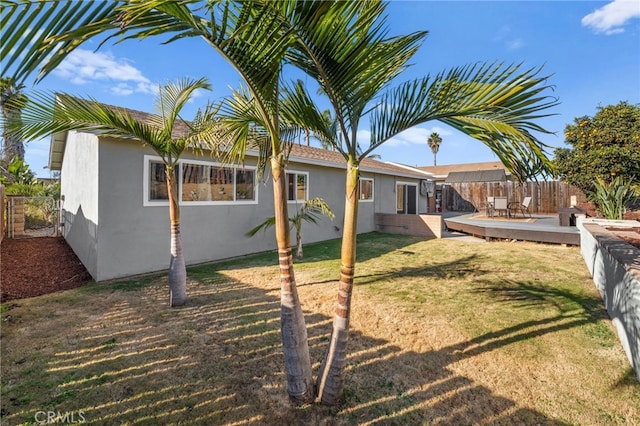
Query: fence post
{"points": [[16, 216]]}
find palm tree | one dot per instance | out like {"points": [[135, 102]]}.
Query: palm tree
{"points": [[48, 113], [434, 142], [310, 212], [344, 47], [251, 35], [11, 100], [354, 62]]}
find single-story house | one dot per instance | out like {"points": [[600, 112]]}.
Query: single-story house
{"points": [[115, 212]]}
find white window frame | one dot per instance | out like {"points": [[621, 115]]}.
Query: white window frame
{"points": [[366, 200], [145, 184], [296, 173], [213, 202], [146, 202]]}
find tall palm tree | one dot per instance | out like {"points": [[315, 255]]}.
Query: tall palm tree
{"points": [[345, 48], [167, 133], [434, 142], [354, 63], [12, 99], [251, 35]]}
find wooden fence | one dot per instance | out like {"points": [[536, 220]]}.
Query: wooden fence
{"points": [[2, 208], [547, 197]]}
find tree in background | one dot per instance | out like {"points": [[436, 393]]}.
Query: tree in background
{"points": [[604, 147], [11, 101], [434, 142], [17, 172]]}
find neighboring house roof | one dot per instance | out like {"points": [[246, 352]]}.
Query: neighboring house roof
{"points": [[299, 153], [441, 172], [477, 176]]}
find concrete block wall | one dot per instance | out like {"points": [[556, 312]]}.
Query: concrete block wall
{"points": [[615, 268]]}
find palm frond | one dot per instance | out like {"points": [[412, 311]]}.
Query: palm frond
{"points": [[47, 113], [262, 227], [346, 49], [28, 40], [299, 111], [245, 127], [311, 211], [495, 104]]}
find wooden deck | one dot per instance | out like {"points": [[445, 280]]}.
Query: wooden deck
{"points": [[545, 229]]}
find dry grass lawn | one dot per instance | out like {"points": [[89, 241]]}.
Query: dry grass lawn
{"points": [[443, 332]]}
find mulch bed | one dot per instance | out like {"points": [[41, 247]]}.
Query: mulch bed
{"points": [[629, 235], [35, 266]]}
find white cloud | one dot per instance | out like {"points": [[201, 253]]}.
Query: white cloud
{"points": [[611, 18], [504, 35], [515, 44], [84, 66], [122, 89], [412, 136]]}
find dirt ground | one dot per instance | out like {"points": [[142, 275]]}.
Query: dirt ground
{"points": [[35, 266]]}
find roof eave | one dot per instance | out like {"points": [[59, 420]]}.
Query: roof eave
{"points": [[56, 150]]}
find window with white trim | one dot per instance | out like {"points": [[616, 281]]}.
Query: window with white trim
{"points": [[366, 189], [203, 182], [200, 182], [297, 186], [245, 184], [156, 179], [214, 183]]}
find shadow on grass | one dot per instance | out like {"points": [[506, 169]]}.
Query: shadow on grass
{"points": [[218, 360], [128, 359]]}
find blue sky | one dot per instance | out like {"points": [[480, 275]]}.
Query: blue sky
{"points": [[591, 48]]}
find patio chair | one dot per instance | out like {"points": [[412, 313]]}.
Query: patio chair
{"points": [[522, 207], [501, 205]]}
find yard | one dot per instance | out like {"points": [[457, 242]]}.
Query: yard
{"points": [[442, 332]]}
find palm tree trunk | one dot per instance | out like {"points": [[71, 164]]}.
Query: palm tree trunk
{"points": [[331, 376], [299, 253], [177, 269], [292, 324]]}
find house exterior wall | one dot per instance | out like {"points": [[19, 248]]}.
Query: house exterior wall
{"points": [[132, 239], [106, 181], [79, 188]]}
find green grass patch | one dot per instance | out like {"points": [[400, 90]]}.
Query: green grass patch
{"points": [[442, 331]]}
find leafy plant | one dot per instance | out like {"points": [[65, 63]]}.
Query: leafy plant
{"points": [[17, 171], [606, 145], [612, 198], [310, 211]]}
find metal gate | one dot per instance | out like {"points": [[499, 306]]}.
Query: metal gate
{"points": [[32, 216]]}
